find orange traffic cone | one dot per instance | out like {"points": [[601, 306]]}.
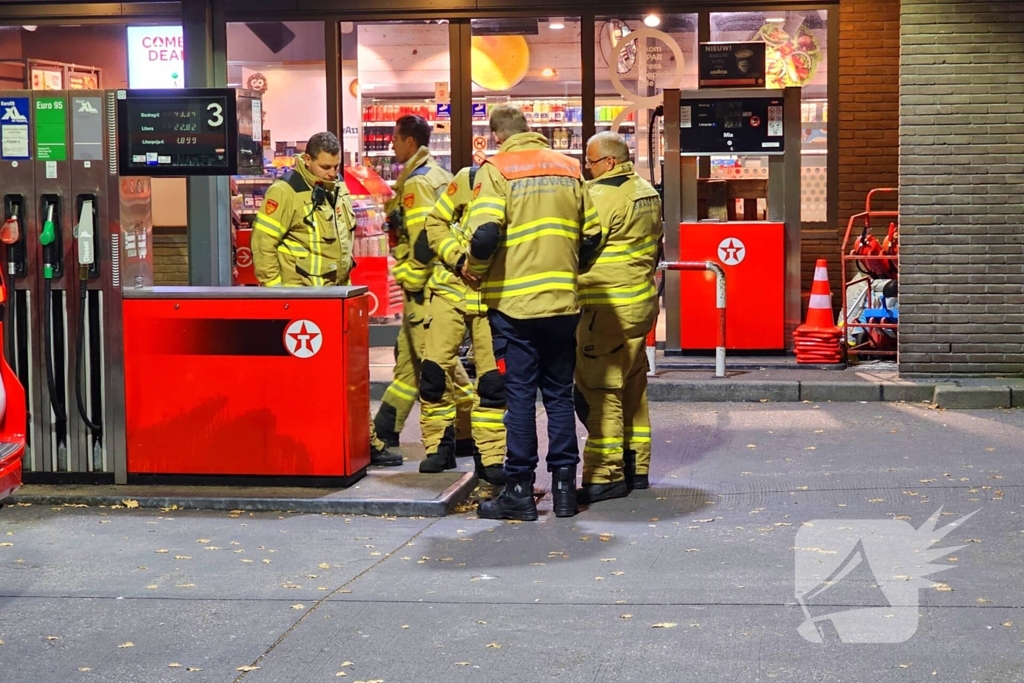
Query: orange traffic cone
{"points": [[818, 340]]}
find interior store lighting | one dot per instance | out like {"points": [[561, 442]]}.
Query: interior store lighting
{"points": [[775, 19], [652, 20], [556, 23], [30, 28], [549, 73]]}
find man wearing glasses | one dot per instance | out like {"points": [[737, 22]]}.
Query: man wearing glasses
{"points": [[619, 303]]}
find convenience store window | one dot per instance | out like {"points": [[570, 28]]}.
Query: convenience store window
{"points": [[797, 55], [534, 63], [637, 57]]}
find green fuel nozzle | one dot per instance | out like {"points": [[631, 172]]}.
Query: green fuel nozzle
{"points": [[46, 238]]}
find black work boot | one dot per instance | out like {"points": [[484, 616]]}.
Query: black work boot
{"points": [[382, 457], [443, 458], [594, 493], [515, 502], [634, 480], [563, 492], [465, 448], [384, 425], [493, 475]]}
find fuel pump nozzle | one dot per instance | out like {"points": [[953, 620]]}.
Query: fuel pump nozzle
{"points": [[84, 234], [47, 238], [10, 233]]}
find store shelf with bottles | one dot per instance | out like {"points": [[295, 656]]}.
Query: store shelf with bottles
{"points": [[370, 250]]}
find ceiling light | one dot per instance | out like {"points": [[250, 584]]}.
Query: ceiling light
{"points": [[652, 20], [777, 19], [556, 23], [548, 72], [30, 28]]}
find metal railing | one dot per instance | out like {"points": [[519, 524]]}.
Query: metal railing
{"points": [[719, 303]]}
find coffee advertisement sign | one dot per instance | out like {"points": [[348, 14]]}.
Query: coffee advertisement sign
{"points": [[732, 65]]}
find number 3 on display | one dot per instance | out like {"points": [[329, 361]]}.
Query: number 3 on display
{"points": [[217, 115]]}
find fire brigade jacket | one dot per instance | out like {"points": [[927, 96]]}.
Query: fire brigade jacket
{"points": [[445, 235], [622, 277], [531, 224], [302, 235], [416, 190]]}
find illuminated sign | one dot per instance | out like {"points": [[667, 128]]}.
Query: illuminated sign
{"points": [[156, 57]]}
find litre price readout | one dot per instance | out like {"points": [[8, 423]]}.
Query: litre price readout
{"points": [[178, 132]]}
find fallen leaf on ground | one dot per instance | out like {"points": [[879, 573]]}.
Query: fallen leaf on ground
{"points": [[162, 551], [84, 669], [626, 616], [247, 668], [298, 607], [265, 561], [608, 559], [340, 674], [904, 666], [1007, 624], [128, 644], [182, 557], [193, 668], [130, 504], [174, 665], [53, 637], [606, 537], [666, 624], [6, 545], [494, 646], [618, 573]]}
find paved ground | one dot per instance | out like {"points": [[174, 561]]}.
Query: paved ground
{"points": [[692, 580]]}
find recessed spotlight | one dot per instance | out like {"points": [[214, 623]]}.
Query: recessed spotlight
{"points": [[556, 23], [652, 20], [548, 72]]}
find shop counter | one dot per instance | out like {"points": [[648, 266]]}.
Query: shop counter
{"points": [[753, 257], [247, 384]]}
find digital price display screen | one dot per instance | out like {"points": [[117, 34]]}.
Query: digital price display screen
{"points": [[178, 132], [731, 126]]}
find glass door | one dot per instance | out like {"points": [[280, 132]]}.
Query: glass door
{"points": [[533, 63]]}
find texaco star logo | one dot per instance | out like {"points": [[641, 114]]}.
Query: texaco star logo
{"points": [[303, 339], [731, 251]]}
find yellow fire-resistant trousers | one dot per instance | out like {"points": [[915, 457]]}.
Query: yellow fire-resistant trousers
{"points": [[403, 391], [445, 333], [611, 395]]}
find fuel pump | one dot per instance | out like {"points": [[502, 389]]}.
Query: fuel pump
{"points": [[50, 238]]}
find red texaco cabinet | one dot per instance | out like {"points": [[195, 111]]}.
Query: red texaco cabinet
{"points": [[753, 257], [243, 383]]}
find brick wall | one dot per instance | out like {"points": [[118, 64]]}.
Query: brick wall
{"points": [[869, 58], [170, 256], [962, 187]]}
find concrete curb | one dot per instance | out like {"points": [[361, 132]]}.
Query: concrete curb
{"points": [[716, 390], [438, 507], [966, 398]]}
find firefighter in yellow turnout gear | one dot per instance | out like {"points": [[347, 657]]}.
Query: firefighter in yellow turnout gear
{"points": [[417, 189], [531, 225], [453, 308], [619, 305], [302, 235]]}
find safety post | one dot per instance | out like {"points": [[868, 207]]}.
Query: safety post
{"points": [[719, 301], [652, 348]]}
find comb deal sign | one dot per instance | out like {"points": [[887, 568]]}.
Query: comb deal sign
{"points": [[156, 57]]}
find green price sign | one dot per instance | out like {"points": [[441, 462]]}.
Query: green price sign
{"points": [[51, 129]]}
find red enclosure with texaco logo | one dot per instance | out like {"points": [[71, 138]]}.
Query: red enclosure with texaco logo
{"points": [[254, 382], [753, 256]]}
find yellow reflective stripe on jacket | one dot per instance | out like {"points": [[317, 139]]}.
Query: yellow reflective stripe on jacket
{"points": [[544, 227], [289, 246], [494, 206], [622, 253], [530, 284], [617, 296], [591, 219], [445, 208], [413, 217], [268, 225], [276, 282], [317, 258]]}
